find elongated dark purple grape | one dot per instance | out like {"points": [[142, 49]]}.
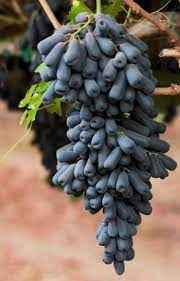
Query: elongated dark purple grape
{"points": [[137, 80], [136, 42], [168, 162], [47, 74], [126, 106], [103, 85], [119, 87], [143, 118], [101, 103], [90, 69], [73, 120], [80, 148], [61, 89], [97, 122], [130, 94], [158, 145], [132, 53], [106, 46], [63, 71], [126, 144], [101, 185], [122, 182], [49, 94], [74, 133], [98, 139], [92, 46], [85, 125], [75, 81], [102, 156], [92, 88], [71, 96], [83, 97], [55, 54], [113, 179], [137, 183], [79, 169], [146, 102], [103, 62], [111, 127], [67, 175], [45, 46], [119, 60], [89, 169], [135, 126], [109, 72], [107, 200], [81, 17], [113, 158], [72, 55], [86, 136], [139, 154], [67, 156]]}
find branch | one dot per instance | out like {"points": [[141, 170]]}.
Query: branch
{"points": [[50, 14], [18, 11], [173, 38], [8, 20], [173, 90], [170, 53]]}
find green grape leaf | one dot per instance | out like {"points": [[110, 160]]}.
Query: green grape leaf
{"points": [[160, 117], [31, 103], [56, 106], [114, 8], [28, 118], [78, 7], [33, 94], [40, 67]]}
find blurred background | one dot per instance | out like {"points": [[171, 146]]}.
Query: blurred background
{"points": [[44, 234]]}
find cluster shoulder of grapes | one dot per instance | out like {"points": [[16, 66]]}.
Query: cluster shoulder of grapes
{"points": [[114, 146]]}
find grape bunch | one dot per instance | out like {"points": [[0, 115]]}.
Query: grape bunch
{"points": [[14, 79], [114, 146]]}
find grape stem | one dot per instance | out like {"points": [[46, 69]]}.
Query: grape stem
{"points": [[83, 26], [13, 147], [98, 7], [50, 14]]}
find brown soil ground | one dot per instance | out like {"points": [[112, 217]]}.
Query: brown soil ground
{"points": [[45, 236]]}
